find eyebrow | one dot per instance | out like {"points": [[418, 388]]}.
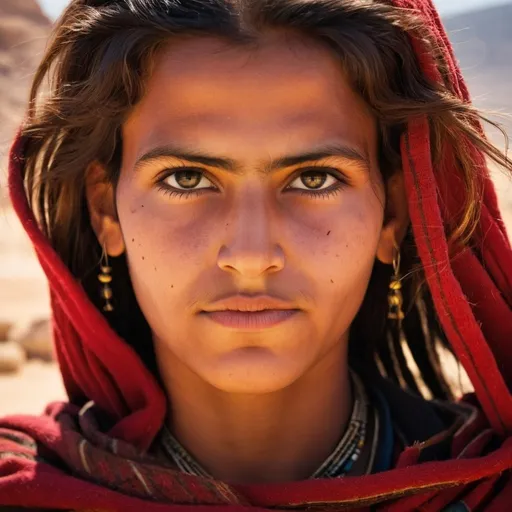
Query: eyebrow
{"points": [[352, 154]]}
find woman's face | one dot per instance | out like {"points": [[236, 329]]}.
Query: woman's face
{"points": [[249, 172]]}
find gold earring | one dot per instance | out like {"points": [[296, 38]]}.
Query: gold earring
{"points": [[105, 278], [395, 299]]}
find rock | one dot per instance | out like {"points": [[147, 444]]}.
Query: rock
{"points": [[5, 327], [23, 33], [12, 356], [28, 10], [36, 340]]}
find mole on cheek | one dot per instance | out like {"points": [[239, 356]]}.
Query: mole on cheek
{"points": [[328, 232], [134, 209]]}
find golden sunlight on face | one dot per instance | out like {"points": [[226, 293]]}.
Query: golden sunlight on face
{"points": [[249, 174]]}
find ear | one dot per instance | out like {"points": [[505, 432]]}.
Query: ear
{"points": [[102, 210], [396, 219]]}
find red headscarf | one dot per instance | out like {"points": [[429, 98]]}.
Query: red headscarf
{"points": [[473, 298]]}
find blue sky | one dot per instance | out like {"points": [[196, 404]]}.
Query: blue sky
{"points": [[54, 7]]}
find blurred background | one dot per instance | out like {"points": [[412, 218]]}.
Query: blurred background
{"points": [[29, 379]]}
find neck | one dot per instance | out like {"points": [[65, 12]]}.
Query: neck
{"points": [[273, 437]]}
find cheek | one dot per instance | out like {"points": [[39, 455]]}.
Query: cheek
{"points": [[163, 248], [340, 242], [337, 252], [345, 261], [161, 233], [167, 248]]}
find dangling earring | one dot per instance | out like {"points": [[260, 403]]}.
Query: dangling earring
{"points": [[105, 278], [395, 299], [399, 352]]}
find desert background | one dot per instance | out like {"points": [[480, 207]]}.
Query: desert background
{"points": [[29, 378]]}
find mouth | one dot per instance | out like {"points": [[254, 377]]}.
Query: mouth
{"points": [[250, 312], [251, 320]]}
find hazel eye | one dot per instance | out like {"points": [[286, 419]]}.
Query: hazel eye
{"points": [[187, 180], [313, 180]]}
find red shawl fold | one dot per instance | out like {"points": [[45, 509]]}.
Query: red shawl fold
{"points": [[473, 298]]}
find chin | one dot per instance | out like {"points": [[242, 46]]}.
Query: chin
{"points": [[253, 370]]}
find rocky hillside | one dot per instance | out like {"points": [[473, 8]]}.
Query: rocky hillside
{"points": [[23, 32], [482, 41]]}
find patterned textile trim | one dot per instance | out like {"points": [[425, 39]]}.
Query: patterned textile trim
{"points": [[92, 455], [18, 444]]}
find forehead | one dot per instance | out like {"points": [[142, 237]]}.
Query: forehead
{"points": [[286, 86]]}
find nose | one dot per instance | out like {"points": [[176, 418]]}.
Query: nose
{"points": [[250, 248]]}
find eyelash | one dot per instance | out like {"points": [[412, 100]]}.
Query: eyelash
{"points": [[323, 193]]}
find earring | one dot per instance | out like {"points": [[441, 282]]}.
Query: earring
{"points": [[395, 299], [105, 278]]}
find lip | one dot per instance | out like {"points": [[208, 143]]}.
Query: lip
{"points": [[248, 312], [249, 303], [251, 320]]}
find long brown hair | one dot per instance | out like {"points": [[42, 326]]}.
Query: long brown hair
{"points": [[97, 63]]}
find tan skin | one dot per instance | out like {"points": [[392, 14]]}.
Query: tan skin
{"points": [[270, 404]]}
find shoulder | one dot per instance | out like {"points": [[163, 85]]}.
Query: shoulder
{"points": [[426, 424], [417, 418]]}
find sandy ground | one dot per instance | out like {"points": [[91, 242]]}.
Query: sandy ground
{"points": [[28, 392], [23, 297]]}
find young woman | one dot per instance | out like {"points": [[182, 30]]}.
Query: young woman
{"points": [[259, 221]]}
